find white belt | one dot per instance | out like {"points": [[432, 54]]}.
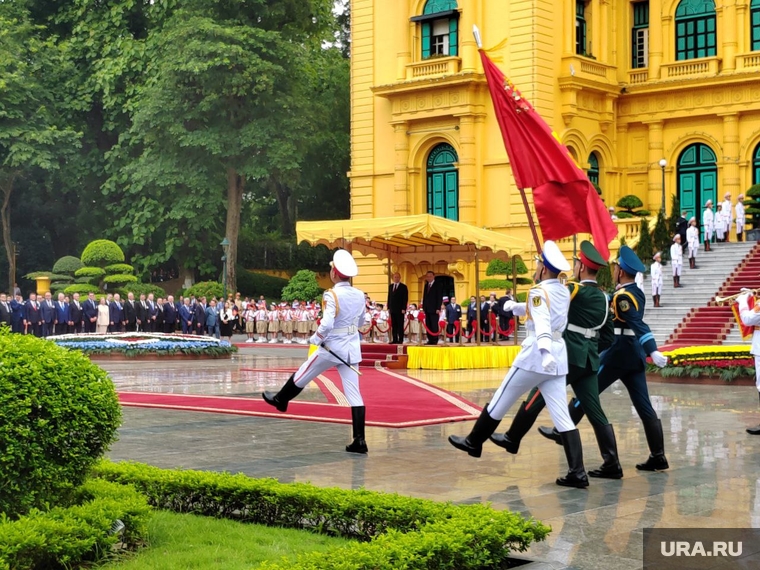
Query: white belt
{"points": [[588, 333], [556, 335], [625, 332], [345, 330]]}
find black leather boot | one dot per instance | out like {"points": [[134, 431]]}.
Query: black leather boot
{"points": [[657, 460], [739, 237], [610, 469], [576, 414], [754, 430], [280, 399], [576, 474], [523, 421], [481, 431], [358, 445]]}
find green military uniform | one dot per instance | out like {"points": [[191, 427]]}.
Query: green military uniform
{"points": [[589, 328]]}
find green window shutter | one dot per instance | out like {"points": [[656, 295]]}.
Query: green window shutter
{"points": [[453, 36], [426, 26]]}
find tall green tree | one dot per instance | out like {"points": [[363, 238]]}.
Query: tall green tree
{"points": [[33, 137]]}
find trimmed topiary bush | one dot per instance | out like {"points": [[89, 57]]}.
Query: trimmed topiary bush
{"points": [[59, 415], [251, 284], [303, 285], [208, 289], [102, 252], [119, 268], [90, 272], [119, 279], [67, 264], [141, 289], [81, 288]]}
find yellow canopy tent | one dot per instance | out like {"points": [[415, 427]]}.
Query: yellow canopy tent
{"points": [[415, 239]]}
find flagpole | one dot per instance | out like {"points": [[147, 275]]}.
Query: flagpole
{"points": [[531, 223]]}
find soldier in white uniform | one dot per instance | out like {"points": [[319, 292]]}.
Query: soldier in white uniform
{"points": [[656, 272], [751, 318], [740, 218], [676, 259], [339, 332], [639, 280], [728, 214], [708, 224], [692, 238], [542, 363]]}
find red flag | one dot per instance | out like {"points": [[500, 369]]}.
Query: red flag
{"points": [[565, 200]]}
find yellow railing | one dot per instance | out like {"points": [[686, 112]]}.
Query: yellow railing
{"points": [[433, 67], [748, 61], [636, 76], [685, 69]]}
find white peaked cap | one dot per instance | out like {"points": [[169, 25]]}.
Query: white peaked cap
{"points": [[344, 263], [553, 257]]}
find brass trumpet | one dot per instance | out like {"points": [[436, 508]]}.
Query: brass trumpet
{"points": [[732, 298]]}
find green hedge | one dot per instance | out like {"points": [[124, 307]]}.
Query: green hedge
{"points": [[81, 288], [252, 284], [67, 537], [208, 289], [91, 272], [119, 269], [67, 264], [141, 289], [396, 532]]}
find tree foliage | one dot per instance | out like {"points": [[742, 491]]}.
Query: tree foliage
{"points": [[661, 237], [644, 247], [302, 286]]}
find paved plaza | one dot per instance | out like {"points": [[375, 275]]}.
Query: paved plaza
{"points": [[714, 479]]}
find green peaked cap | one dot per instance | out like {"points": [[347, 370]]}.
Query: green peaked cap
{"points": [[591, 254]]}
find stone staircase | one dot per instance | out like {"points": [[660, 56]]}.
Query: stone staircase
{"points": [[698, 288]]}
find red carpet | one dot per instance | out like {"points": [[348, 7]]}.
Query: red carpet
{"points": [[392, 400]]}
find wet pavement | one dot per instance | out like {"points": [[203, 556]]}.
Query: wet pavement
{"points": [[714, 479]]}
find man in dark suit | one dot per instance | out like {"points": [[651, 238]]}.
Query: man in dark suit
{"points": [[432, 298], [158, 322], [115, 314], [170, 315], [186, 316], [90, 313], [76, 315], [398, 298], [32, 316], [142, 313], [17, 314], [504, 316], [61, 315], [453, 316], [47, 313], [472, 317], [485, 316], [199, 316], [151, 314], [130, 313], [5, 311]]}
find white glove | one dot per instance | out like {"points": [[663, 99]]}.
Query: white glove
{"points": [[315, 339], [659, 359], [548, 363], [509, 306], [745, 290]]}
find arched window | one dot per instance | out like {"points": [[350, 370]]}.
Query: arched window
{"points": [[593, 168], [640, 35], [754, 24], [756, 166], [443, 182], [695, 29], [697, 178], [439, 28]]}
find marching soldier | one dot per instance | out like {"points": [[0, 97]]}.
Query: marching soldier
{"points": [[626, 358], [589, 310], [750, 316], [338, 340], [542, 362], [708, 220], [676, 259], [692, 238], [656, 273]]}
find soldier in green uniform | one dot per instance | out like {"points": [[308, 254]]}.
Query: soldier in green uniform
{"points": [[588, 315]]}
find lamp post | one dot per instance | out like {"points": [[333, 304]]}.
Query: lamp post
{"points": [[663, 164], [225, 245]]}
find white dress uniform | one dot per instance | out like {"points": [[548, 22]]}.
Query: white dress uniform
{"points": [[739, 218], [692, 238], [639, 280], [676, 258], [750, 318], [728, 215], [708, 224], [720, 224], [656, 273], [339, 331], [546, 311]]}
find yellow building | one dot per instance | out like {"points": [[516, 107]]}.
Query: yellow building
{"points": [[624, 84]]}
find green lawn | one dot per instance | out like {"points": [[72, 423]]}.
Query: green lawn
{"points": [[185, 542]]}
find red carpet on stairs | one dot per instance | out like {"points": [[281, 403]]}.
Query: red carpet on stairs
{"points": [[711, 324], [392, 400]]}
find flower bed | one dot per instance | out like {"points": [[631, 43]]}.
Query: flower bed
{"points": [[145, 344], [724, 362]]}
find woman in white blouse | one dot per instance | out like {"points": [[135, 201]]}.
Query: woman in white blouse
{"points": [[104, 318]]}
